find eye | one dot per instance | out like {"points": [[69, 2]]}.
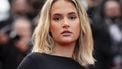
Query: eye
{"points": [[72, 17], [57, 18]]}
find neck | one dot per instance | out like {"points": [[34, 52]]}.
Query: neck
{"points": [[64, 50]]}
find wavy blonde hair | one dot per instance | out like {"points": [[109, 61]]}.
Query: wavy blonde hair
{"points": [[44, 43]]}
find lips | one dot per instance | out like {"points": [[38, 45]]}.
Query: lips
{"points": [[66, 33]]}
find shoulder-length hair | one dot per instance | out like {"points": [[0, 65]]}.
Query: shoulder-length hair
{"points": [[44, 43]]}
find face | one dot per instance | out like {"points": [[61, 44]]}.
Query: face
{"points": [[22, 28], [112, 8], [65, 24], [20, 7]]}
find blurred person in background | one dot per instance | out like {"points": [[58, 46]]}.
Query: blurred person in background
{"points": [[92, 6], [107, 31], [106, 11], [21, 8], [14, 44], [36, 7], [5, 21], [26, 8], [23, 28]]}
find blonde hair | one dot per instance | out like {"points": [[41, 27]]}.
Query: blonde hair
{"points": [[44, 43]]}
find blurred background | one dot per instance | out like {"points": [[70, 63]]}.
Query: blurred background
{"points": [[18, 18]]}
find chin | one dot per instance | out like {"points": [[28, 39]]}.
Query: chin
{"points": [[67, 41]]}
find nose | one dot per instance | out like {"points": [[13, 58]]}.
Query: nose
{"points": [[66, 23]]}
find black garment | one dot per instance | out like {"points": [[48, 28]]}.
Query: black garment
{"points": [[0, 65], [10, 57], [102, 46], [46, 61]]}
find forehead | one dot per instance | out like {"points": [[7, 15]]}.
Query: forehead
{"points": [[63, 5], [111, 4], [21, 23]]}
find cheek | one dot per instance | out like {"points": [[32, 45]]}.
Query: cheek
{"points": [[77, 29], [54, 29]]}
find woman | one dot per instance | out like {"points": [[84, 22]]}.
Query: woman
{"points": [[62, 39]]}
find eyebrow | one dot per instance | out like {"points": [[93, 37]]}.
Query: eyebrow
{"points": [[57, 14], [71, 13]]}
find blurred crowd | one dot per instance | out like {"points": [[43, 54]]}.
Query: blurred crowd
{"points": [[18, 18]]}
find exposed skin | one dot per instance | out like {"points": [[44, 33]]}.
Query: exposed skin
{"points": [[22, 28], [112, 8], [65, 27]]}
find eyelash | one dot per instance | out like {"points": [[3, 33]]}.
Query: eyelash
{"points": [[72, 17], [57, 18]]}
